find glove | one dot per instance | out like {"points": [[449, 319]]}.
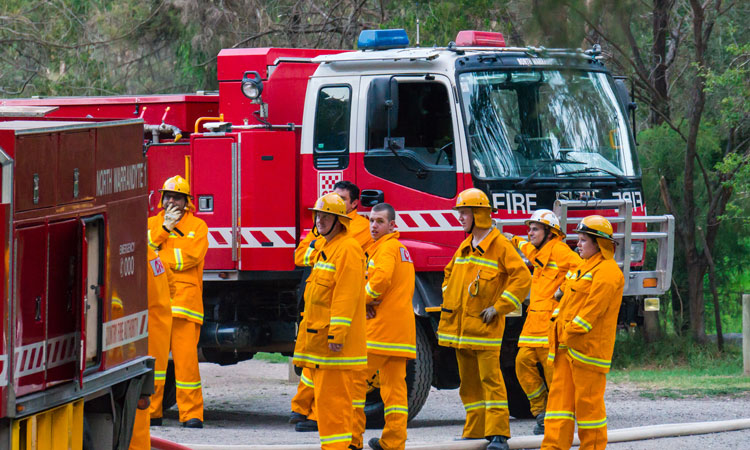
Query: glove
{"points": [[489, 314], [508, 235], [558, 294], [171, 217]]}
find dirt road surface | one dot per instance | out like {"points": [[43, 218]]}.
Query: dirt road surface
{"points": [[248, 404]]}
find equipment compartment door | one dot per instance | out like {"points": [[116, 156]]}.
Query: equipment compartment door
{"points": [[215, 191], [63, 300], [164, 162], [267, 200], [31, 308]]}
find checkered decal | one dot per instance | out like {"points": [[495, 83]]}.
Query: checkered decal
{"points": [[326, 180]]}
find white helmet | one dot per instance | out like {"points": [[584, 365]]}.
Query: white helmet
{"points": [[546, 217]]}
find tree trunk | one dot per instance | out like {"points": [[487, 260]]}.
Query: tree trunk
{"points": [[696, 302], [658, 76]]}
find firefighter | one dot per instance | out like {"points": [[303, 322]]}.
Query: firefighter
{"points": [[159, 281], [485, 280], [332, 336], [582, 340], [551, 258], [303, 413], [181, 240], [391, 339]]}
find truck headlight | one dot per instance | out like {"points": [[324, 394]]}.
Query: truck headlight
{"points": [[636, 250], [252, 86]]}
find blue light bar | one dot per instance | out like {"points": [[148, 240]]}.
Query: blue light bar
{"points": [[382, 39]]}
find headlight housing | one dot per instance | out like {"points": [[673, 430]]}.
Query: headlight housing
{"points": [[637, 249], [252, 85]]}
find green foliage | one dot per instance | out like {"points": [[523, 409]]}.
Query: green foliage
{"points": [[275, 358], [677, 367], [440, 21]]}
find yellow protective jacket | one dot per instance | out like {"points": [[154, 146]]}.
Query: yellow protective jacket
{"points": [[334, 308], [551, 263], [359, 229], [587, 321], [184, 251], [490, 274], [390, 280], [160, 287]]}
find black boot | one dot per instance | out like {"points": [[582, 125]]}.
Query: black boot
{"points": [[156, 421], [498, 443], [539, 427], [193, 423], [306, 425], [374, 444], [295, 417]]}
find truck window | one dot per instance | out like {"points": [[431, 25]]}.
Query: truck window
{"points": [[549, 123], [421, 150], [331, 136]]}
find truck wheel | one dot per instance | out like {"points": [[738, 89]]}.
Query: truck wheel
{"points": [[170, 388], [418, 383]]}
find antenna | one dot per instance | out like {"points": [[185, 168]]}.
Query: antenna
{"points": [[417, 44]]}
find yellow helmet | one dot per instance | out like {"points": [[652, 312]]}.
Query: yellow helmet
{"points": [[548, 218], [176, 184], [331, 203], [479, 203], [179, 185], [600, 228]]}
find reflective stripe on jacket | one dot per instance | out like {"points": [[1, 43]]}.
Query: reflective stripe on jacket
{"points": [[587, 321], [390, 280], [551, 263], [334, 308], [184, 251], [490, 274]]}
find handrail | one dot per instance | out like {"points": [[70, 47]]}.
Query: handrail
{"points": [[637, 281]]}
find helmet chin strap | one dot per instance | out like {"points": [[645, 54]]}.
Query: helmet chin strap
{"points": [[335, 220]]}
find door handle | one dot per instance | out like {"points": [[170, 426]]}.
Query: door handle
{"points": [[371, 197], [38, 309]]}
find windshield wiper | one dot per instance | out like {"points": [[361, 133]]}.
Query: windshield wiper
{"points": [[547, 164], [621, 178]]}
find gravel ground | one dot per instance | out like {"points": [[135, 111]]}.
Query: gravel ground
{"points": [[248, 404]]}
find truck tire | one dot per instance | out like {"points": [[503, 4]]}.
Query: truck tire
{"points": [[418, 383], [170, 388]]}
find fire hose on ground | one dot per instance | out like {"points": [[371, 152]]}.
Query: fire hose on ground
{"points": [[620, 435]]}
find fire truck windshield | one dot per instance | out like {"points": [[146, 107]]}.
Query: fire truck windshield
{"points": [[545, 124]]}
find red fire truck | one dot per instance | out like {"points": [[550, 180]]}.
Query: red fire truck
{"points": [[73, 361], [532, 127]]}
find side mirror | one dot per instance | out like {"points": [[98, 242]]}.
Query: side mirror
{"points": [[626, 101], [382, 105]]}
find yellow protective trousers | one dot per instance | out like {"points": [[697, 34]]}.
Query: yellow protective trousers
{"points": [[333, 402], [303, 401], [185, 335], [159, 331], [395, 399], [576, 396], [529, 377], [483, 393], [141, 438]]}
